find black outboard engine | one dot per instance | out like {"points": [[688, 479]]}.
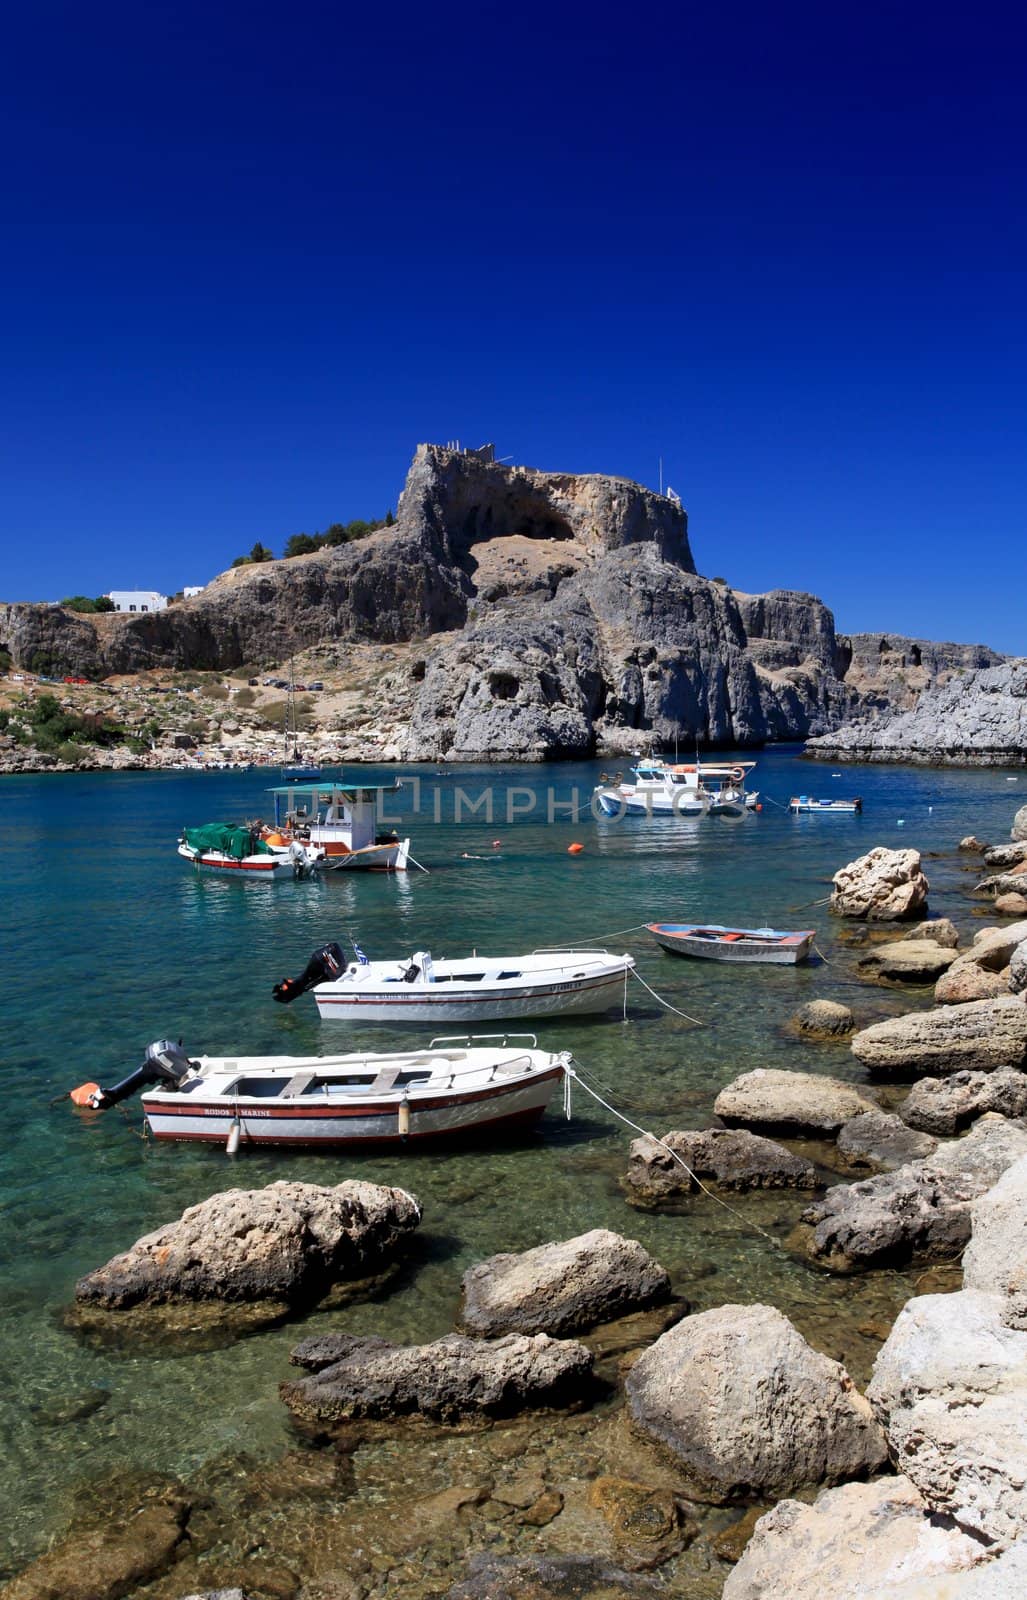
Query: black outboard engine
{"points": [[165, 1063], [324, 965]]}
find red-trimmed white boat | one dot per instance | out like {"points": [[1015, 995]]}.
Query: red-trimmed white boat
{"points": [[547, 983], [492, 1082]]}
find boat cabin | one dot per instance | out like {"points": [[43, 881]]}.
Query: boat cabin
{"points": [[340, 817]]}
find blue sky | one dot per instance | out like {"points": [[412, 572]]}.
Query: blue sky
{"points": [[251, 255]]}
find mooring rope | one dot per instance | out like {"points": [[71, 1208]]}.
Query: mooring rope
{"points": [[746, 1222], [575, 944], [666, 1003]]}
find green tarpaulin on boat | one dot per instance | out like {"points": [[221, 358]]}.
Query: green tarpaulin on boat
{"points": [[226, 836]]}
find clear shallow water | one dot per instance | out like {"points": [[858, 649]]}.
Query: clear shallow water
{"points": [[111, 941]]}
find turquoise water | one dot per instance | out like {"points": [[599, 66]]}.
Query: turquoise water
{"points": [[112, 940]]}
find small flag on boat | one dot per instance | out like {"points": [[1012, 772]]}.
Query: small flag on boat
{"points": [[359, 954]]}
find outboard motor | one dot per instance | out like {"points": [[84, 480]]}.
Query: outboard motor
{"points": [[165, 1063], [324, 965]]}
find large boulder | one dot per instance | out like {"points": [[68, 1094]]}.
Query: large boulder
{"points": [[824, 1019], [1019, 829], [745, 1406], [1006, 855], [949, 1385], [923, 1209], [981, 1036], [792, 1102], [285, 1243], [1011, 905], [995, 1260], [987, 958], [561, 1288], [731, 1158], [908, 961], [945, 1106], [882, 1141], [882, 886], [858, 1542], [1018, 969], [452, 1379], [942, 930]]}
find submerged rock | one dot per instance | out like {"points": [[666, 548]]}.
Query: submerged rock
{"points": [[858, 1542], [549, 1577], [908, 961], [949, 1384], [796, 1102], [824, 1019], [287, 1242], [105, 1559], [453, 1378], [882, 1141], [945, 1106], [561, 1288], [728, 1157], [745, 1406], [882, 886], [923, 1209], [981, 1035]]}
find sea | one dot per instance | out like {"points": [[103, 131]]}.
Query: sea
{"points": [[112, 940]]}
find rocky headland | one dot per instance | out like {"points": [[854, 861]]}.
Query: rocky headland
{"points": [[509, 614]]}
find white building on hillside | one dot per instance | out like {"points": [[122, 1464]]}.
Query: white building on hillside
{"points": [[138, 600], [192, 589]]}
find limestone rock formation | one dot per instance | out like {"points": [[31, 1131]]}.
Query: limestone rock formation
{"points": [[1019, 829], [908, 961], [727, 1157], [977, 718], [882, 886], [791, 1102], [988, 958], [1018, 970], [945, 1106], [882, 1141], [948, 1385], [923, 1209], [942, 930], [559, 613], [1006, 855], [561, 1288], [744, 1405], [995, 1260], [862, 1541], [824, 1019], [453, 1378], [285, 1243], [981, 1035]]}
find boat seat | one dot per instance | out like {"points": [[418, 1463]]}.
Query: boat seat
{"points": [[298, 1084], [385, 1080]]}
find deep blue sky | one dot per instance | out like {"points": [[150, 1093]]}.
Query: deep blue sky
{"points": [[252, 254]]}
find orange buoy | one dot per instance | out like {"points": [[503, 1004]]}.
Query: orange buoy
{"points": [[575, 849], [760, 806], [84, 1093], [274, 838]]}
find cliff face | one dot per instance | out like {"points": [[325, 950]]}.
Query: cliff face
{"points": [[559, 614], [975, 718]]}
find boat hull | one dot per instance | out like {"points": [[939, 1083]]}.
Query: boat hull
{"points": [[494, 1109], [615, 803], [262, 866], [748, 950], [396, 1002]]}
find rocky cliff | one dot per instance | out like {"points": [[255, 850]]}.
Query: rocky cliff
{"points": [[557, 614], [975, 718]]}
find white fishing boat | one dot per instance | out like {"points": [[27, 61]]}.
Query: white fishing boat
{"points": [[680, 789], [804, 803], [712, 941], [317, 827], [546, 983], [492, 1082]]}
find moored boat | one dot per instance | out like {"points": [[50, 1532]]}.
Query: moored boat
{"points": [[680, 789], [546, 983], [244, 852], [805, 803], [455, 1086], [318, 827], [713, 942]]}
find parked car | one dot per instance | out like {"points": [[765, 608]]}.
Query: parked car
{"points": [[315, 684], [76, 680]]}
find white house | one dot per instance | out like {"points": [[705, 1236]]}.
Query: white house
{"points": [[192, 589], [138, 600]]}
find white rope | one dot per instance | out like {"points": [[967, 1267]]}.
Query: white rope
{"points": [[817, 951], [575, 944], [667, 1003], [744, 1220], [418, 865]]}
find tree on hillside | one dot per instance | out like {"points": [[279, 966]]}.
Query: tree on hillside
{"points": [[260, 552], [79, 602], [103, 602], [301, 544]]}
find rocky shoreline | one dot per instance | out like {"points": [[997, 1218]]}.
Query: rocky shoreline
{"points": [[582, 1432]]}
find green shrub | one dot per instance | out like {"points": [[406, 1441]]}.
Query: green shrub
{"points": [[245, 697]]}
